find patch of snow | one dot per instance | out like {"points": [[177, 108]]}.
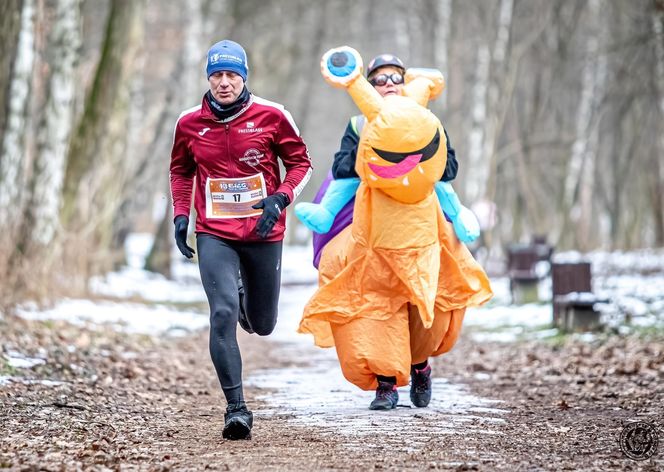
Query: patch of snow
{"points": [[632, 306], [544, 333], [4, 380], [491, 317], [580, 297], [503, 336], [297, 266], [586, 337], [131, 317], [644, 261], [569, 257], [501, 291], [137, 247], [19, 361], [131, 282], [647, 321], [542, 269]]}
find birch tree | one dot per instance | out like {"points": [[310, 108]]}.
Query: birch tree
{"points": [[10, 27], [441, 42], [486, 108], [657, 174], [14, 147], [578, 189], [41, 217]]}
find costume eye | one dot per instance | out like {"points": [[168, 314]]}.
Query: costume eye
{"points": [[427, 151]]}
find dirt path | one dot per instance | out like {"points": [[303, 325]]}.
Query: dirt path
{"points": [[136, 403]]}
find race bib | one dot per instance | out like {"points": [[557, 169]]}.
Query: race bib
{"points": [[233, 198]]}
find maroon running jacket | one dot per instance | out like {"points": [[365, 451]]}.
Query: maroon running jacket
{"points": [[206, 149]]}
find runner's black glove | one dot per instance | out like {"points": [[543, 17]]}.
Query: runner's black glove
{"points": [[181, 225], [272, 207]]}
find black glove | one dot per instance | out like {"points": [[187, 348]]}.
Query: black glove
{"points": [[272, 207], [181, 225]]}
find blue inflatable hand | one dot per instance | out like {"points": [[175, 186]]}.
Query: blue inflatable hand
{"points": [[465, 223], [341, 63], [315, 217], [341, 66], [466, 226], [320, 217]]}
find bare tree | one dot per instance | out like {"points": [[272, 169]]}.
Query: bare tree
{"points": [[10, 26], [14, 147], [41, 217], [98, 163]]}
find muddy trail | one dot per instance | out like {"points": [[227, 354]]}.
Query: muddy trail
{"points": [[105, 400]]}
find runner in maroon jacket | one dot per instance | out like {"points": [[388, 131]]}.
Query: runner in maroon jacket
{"points": [[226, 153]]}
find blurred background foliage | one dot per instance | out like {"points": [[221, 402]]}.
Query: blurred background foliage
{"points": [[555, 109]]}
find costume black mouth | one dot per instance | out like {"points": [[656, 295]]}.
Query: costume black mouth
{"points": [[427, 151]]}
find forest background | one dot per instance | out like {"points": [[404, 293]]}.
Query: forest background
{"points": [[555, 109]]}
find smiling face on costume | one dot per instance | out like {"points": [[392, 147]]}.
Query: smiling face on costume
{"points": [[226, 86], [403, 150]]}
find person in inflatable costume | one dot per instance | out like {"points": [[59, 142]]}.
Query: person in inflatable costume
{"points": [[386, 73], [395, 284]]}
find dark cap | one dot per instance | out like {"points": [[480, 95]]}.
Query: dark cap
{"points": [[383, 60]]}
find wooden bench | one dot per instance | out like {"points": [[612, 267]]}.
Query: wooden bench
{"points": [[573, 300], [522, 261]]}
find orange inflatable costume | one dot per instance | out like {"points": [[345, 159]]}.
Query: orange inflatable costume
{"points": [[395, 284]]}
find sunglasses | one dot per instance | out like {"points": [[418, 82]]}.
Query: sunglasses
{"points": [[381, 79]]}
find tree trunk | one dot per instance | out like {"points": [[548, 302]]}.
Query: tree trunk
{"points": [[577, 200], [159, 258], [106, 99], [98, 164], [183, 90], [441, 43], [10, 26], [499, 96], [13, 151], [476, 178], [42, 212], [657, 171]]}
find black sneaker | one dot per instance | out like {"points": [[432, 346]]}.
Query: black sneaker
{"points": [[387, 397], [238, 421], [242, 318], [420, 386]]}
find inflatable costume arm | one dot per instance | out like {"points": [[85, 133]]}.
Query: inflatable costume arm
{"points": [[465, 223], [319, 217]]}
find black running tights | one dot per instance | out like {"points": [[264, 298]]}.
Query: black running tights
{"points": [[259, 263]]}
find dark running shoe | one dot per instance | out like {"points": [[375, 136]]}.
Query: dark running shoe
{"points": [[238, 421], [420, 386], [242, 318], [387, 397]]}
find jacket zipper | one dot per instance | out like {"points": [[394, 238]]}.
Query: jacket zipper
{"points": [[233, 170]]}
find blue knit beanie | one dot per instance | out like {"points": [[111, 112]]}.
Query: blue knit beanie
{"points": [[229, 56]]}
